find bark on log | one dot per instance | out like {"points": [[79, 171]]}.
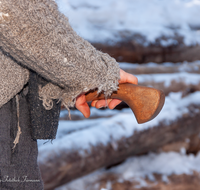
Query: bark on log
{"points": [[191, 145], [63, 167], [129, 51]]}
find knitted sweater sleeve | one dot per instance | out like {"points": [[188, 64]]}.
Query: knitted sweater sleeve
{"points": [[40, 38]]}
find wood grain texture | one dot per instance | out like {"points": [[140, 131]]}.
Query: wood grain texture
{"points": [[145, 102]]}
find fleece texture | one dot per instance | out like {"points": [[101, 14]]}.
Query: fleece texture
{"points": [[37, 36]]}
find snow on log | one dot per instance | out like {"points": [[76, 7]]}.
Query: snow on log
{"points": [[116, 29], [153, 68], [168, 77], [171, 82], [154, 171], [111, 140], [109, 22]]}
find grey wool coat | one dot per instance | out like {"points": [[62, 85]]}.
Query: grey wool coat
{"points": [[38, 44], [35, 36]]}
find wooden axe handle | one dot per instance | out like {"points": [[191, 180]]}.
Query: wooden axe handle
{"points": [[145, 102]]}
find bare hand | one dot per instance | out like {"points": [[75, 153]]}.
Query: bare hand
{"points": [[83, 107]]}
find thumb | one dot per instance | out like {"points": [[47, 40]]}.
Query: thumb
{"points": [[127, 78]]}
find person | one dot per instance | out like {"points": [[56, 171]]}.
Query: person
{"points": [[43, 62]]}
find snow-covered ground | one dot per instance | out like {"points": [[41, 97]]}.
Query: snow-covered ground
{"points": [[103, 21], [140, 167]]}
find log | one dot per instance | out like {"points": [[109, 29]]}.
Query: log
{"points": [[191, 145], [97, 181], [61, 166], [193, 67], [176, 182], [175, 86], [130, 51], [175, 82]]}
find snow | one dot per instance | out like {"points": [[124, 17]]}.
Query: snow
{"points": [[103, 21], [93, 112], [164, 163], [166, 78], [184, 66], [110, 130], [125, 65], [138, 167]]}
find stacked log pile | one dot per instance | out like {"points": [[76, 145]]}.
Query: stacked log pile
{"points": [[66, 166], [177, 83]]}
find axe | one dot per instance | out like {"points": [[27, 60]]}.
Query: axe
{"points": [[145, 102]]}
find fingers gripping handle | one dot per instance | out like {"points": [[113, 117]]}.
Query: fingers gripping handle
{"points": [[145, 102]]}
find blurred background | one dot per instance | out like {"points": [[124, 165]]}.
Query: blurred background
{"points": [[159, 42]]}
